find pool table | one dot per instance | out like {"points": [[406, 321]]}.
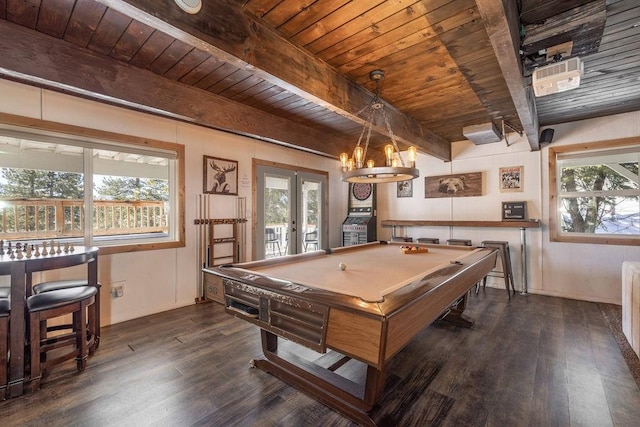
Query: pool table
{"points": [[366, 311]]}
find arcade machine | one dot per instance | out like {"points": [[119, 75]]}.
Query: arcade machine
{"points": [[360, 225]]}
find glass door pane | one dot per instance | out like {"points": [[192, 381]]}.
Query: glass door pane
{"points": [[311, 196], [275, 204]]}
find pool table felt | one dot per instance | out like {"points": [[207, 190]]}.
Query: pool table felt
{"points": [[371, 272]]}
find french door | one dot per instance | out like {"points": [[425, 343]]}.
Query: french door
{"points": [[290, 210]]}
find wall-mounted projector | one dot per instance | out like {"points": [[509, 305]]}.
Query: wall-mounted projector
{"points": [[557, 77]]}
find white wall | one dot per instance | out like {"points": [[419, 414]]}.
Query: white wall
{"points": [[486, 159], [579, 271], [164, 279], [586, 271]]}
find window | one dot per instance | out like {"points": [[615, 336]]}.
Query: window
{"points": [[50, 180], [595, 193]]}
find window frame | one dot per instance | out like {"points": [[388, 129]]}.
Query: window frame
{"points": [[43, 126], [555, 234]]}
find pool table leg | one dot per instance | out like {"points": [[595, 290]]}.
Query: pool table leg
{"points": [[454, 314], [338, 393]]}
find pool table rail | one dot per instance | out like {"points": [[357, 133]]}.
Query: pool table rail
{"points": [[449, 286]]}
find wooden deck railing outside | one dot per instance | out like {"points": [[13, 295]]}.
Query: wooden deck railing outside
{"points": [[60, 218]]}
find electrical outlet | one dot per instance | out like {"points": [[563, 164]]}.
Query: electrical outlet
{"points": [[117, 289]]}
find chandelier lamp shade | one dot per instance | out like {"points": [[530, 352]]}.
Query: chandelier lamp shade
{"points": [[356, 168]]}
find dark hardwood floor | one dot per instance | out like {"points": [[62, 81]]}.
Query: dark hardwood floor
{"points": [[531, 361]]}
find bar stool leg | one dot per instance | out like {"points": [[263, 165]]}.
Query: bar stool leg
{"points": [[94, 324], [4, 349], [505, 269], [513, 286], [80, 324], [35, 329]]}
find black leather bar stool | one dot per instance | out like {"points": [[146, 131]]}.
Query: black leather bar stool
{"points": [[56, 303], [5, 311], [459, 242], [5, 291], [433, 240], [507, 271], [94, 313]]}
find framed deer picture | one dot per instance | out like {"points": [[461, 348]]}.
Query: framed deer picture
{"points": [[220, 176]]}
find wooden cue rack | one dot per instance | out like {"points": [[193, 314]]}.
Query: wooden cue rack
{"points": [[210, 287], [212, 290], [213, 240]]}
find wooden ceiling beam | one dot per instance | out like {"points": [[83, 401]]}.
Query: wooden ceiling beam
{"points": [[502, 23], [222, 29], [583, 26], [37, 59]]}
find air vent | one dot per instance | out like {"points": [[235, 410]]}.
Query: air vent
{"points": [[557, 77], [485, 133]]}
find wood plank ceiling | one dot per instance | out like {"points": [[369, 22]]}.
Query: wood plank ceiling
{"points": [[296, 72]]}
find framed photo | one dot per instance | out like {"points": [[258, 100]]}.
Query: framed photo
{"points": [[220, 176], [511, 179], [405, 188], [458, 185]]}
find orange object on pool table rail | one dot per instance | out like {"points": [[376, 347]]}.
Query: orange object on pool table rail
{"points": [[413, 249]]}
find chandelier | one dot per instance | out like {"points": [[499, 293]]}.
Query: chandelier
{"points": [[358, 169]]}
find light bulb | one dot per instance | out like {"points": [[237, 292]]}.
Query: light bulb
{"points": [[370, 163], [388, 153], [412, 153], [344, 159], [358, 156]]}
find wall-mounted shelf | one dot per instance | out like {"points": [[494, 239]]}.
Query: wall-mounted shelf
{"points": [[532, 223]]}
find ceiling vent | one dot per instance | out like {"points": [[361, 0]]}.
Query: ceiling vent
{"points": [[484, 133], [558, 77]]}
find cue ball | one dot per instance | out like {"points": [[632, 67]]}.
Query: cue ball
{"points": [[342, 266]]}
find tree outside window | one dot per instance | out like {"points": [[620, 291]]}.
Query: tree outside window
{"points": [[597, 195]]}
